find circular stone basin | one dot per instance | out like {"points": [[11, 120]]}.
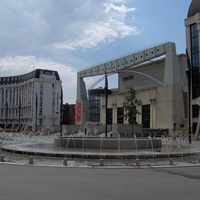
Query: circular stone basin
{"points": [[107, 143]]}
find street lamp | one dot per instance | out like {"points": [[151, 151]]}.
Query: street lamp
{"points": [[36, 109], [6, 114], [19, 116], [61, 111], [188, 73], [106, 103]]}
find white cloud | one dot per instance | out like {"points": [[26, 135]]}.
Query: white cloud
{"points": [[108, 28], [118, 1], [31, 25], [121, 9], [98, 32], [11, 66]]}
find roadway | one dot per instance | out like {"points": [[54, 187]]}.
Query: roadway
{"points": [[20, 182]]}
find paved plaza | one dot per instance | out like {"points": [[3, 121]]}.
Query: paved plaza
{"points": [[49, 183]]}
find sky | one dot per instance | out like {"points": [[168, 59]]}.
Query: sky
{"points": [[69, 36]]}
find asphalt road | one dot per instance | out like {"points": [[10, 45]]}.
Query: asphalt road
{"points": [[61, 183]]}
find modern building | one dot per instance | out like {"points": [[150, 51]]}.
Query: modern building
{"points": [[157, 74], [192, 24], [31, 101]]}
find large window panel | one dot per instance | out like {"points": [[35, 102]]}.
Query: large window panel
{"points": [[120, 115], [146, 116], [195, 61]]}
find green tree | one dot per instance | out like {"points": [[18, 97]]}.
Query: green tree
{"points": [[130, 105]]}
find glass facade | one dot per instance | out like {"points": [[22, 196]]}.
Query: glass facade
{"points": [[94, 108], [94, 104], [195, 61], [195, 111]]}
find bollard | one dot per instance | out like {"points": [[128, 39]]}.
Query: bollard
{"points": [[171, 161], [31, 160], [65, 161], [137, 162], [2, 158], [101, 162]]}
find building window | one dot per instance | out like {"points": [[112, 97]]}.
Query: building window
{"points": [[195, 111], [194, 127], [120, 115], [109, 116], [146, 116], [195, 61]]}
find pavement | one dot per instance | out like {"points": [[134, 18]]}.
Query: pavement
{"points": [[49, 183]]}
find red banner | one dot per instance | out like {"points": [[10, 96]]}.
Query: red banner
{"points": [[78, 111]]}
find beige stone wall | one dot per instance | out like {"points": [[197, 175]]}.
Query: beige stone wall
{"points": [[166, 106]]}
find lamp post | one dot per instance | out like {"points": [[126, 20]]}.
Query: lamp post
{"points": [[106, 104], [20, 106], [132, 120], [19, 116], [188, 73], [36, 109], [6, 114], [61, 111]]}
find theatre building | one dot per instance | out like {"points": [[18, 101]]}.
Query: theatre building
{"points": [[157, 74], [31, 101]]}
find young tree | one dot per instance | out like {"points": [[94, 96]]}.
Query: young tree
{"points": [[130, 105]]}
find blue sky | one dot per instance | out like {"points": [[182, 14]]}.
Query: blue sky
{"points": [[69, 36]]}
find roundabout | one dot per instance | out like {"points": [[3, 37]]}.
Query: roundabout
{"points": [[153, 151]]}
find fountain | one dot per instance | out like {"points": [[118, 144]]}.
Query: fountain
{"points": [[114, 148], [107, 147]]}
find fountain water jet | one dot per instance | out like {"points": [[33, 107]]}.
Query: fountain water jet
{"points": [[97, 147]]}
